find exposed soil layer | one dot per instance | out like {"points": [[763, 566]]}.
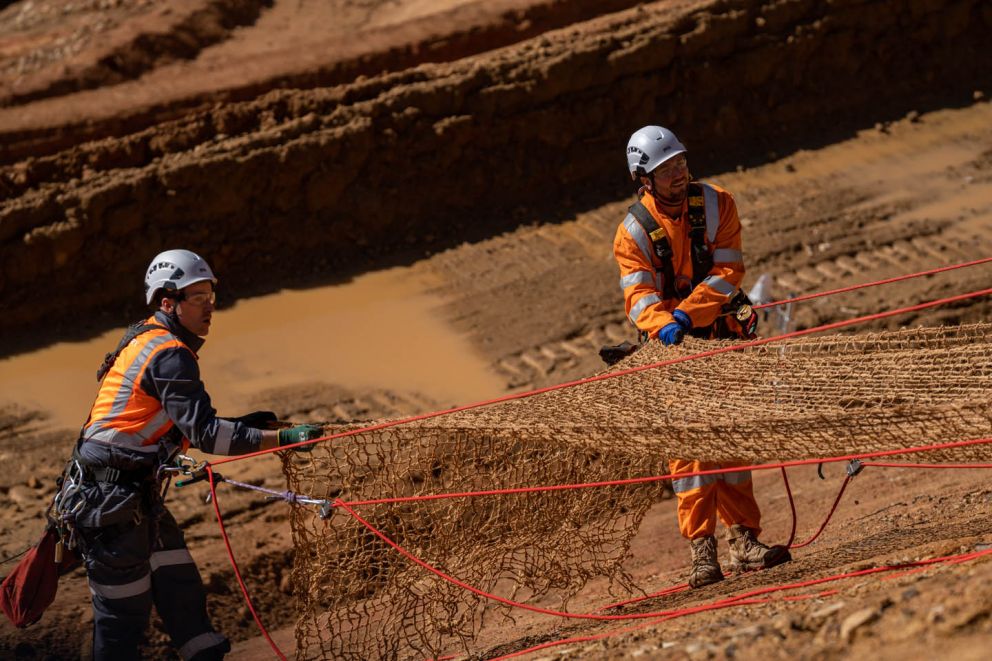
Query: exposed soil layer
{"points": [[886, 516], [296, 186], [59, 47], [296, 44], [315, 184]]}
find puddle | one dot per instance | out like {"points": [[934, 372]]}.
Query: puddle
{"points": [[380, 330]]}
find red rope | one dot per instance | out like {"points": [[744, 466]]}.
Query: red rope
{"points": [[613, 375], [792, 506], [750, 598], [888, 465], [636, 616], [234, 564], [347, 506], [482, 593], [886, 281], [650, 623], [833, 509], [661, 593], [738, 347]]}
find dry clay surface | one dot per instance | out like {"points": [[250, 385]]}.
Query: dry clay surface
{"points": [[538, 300], [886, 516]]}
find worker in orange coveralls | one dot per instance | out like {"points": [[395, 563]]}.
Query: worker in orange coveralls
{"points": [[681, 267]]}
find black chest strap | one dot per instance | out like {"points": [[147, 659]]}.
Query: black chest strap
{"points": [[133, 331], [702, 258], [661, 245]]}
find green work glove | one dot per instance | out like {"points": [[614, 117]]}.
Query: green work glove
{"points": [[298, 434]]}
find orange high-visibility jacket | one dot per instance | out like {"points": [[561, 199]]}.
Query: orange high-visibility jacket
{"points": [[154, 385], [641, 277]]}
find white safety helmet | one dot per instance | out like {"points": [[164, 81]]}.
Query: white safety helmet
{"points": [[649, 147], [175, 269]]}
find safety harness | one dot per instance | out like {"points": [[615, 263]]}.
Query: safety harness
{"points": [[702, 258], [133, 331], [702, 262]]}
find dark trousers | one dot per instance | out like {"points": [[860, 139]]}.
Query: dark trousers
{"points": [[135, 564]]}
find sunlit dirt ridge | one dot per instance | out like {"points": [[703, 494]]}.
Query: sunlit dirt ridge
{"points": [[327, 180]]}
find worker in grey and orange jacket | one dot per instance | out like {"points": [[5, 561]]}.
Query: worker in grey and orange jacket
{"points": [[150, 406], [681, 268]]}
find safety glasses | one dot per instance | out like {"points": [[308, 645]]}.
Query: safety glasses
{"points": [[200, 298]]}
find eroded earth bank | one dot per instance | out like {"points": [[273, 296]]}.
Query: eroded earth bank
{"points": [[855, 135]]}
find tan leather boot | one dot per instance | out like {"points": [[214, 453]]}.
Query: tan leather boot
{"points": [[747, 553], [705, 568]]}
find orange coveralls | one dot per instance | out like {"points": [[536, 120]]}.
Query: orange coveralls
{"points": [[701, 498]]}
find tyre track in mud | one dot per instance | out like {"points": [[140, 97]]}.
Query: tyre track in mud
{"points": [[556, 283]]}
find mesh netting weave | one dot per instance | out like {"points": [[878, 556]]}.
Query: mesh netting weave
{"points": [[815, 397]]}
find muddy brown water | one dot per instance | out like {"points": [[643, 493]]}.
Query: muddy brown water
{"points": [[381, 330]]}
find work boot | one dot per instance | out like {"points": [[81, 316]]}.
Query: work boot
{"points": [[747, 553], [705, 568]]}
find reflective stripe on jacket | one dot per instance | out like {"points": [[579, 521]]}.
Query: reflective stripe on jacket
{"points": [[640, 276], [154, 385]]}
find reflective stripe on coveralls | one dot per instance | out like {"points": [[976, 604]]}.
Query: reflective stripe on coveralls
{"points": [[720, 285], [702, 498], [641, 278], [641, 305], [225, 433], [640, 236], [170, 558], [124, 591], [684, 484], [134, 568], [712, 206], [728, 256]]}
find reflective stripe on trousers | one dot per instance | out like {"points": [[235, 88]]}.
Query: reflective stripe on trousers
{"points": [[204, 641], [684, 484], [703, 498], [128, 572]]}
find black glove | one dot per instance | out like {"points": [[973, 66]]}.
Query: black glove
{"points": [[257, 419], [298, 434], [614, 353]]}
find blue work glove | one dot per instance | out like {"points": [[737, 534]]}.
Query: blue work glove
{"points": [[298, 434], [674, 332]]}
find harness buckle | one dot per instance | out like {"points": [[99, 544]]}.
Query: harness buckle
{"points": [[854, 466], [197, 472]]}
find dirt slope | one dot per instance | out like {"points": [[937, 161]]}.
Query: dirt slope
{"points": [[298, 173], [886, 516], [328, 172]]}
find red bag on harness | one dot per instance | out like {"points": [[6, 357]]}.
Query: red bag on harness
{"points": [[30, 588]]}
